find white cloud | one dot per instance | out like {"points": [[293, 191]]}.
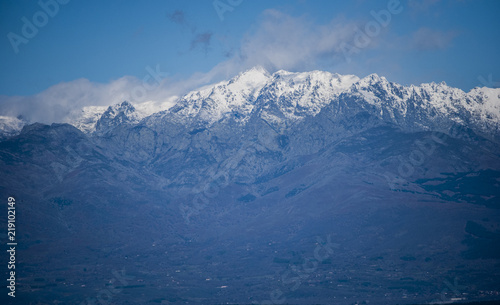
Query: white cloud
{"points": [[285, 42], [57, 103], [280, 41]]}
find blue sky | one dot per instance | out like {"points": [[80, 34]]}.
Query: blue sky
{"points": [[89, 50]]}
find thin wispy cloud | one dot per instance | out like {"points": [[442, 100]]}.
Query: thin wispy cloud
{"points": [[202, 41], [199, 40], [426, 39], [281, 41], [178, 17]]}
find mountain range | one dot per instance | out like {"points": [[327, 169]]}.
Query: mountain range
{"points": [[292, 97], [226, 196]]}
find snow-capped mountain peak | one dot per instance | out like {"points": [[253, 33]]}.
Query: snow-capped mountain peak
{"points": [[235, 96], [254, 77], [115, 115], [86, 119]]}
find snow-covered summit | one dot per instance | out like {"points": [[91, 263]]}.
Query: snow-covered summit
{"points": [[86, 119], [115, 115], [280, 96], [293, 96], [213, 103]]}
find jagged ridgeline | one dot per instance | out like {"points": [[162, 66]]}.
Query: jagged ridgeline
{"points": [[224, 196]]}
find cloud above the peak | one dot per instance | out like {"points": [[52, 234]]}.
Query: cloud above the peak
{"points": [[55, 103], [202, 40], [281, 41]]}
